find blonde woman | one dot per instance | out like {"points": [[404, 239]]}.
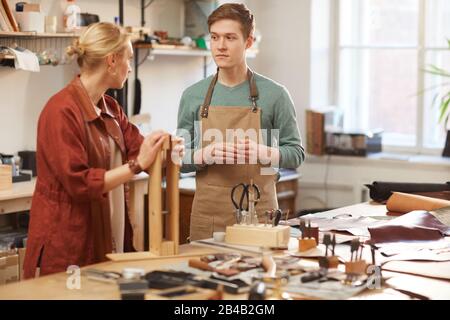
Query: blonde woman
{"points": [[86, 152]]}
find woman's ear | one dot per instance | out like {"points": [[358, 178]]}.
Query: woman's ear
{"points": [[111, 60]]}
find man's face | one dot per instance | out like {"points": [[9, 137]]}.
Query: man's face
{"points": [[228, 44]]}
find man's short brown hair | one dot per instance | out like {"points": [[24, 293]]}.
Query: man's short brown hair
{"points": [[237, 12]]}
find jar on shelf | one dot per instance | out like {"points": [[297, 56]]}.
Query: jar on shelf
{"points": [[72, 19]]}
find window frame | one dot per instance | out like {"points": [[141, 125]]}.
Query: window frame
{"points": [[422, 49]]}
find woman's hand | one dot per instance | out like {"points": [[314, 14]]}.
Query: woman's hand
{"points": [[150, 148]]}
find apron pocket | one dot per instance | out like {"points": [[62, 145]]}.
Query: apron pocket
{"points": [[201, 227], [226, 175]]}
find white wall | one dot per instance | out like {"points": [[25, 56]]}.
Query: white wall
{"points": [[284, 48], [24, 94]]}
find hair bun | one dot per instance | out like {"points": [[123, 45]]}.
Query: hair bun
{"points": [[79, 49], [76, 48]]}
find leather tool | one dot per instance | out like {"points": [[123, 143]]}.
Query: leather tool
{"points": [[277, 218], [248, 191], [354, 245], [198, 264], [333, 244], [326, 242], [302, 228]]}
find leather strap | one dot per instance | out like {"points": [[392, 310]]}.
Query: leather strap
{"points": [[253, 93]]}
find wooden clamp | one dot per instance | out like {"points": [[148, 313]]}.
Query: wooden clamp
{"points": [[164, 244]]}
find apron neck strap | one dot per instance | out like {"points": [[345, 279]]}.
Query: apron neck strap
{"points": [[253, 93]]}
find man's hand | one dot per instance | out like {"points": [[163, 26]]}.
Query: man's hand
{"points": [[178, 150], [216, 153], [257, 153], [243, 152]]}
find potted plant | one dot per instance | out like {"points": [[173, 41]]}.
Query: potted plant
{"points": [[443, 98]]}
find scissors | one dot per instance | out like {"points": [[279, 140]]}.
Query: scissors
{"points": [[245, 189]]}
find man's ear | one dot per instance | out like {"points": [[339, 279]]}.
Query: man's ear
{"points": [[249, 42]]}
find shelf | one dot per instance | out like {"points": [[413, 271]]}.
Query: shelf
{"points": [[5, 34], [173, 50], [54, 43], [384, 159], [6, 57], [181, 52]]}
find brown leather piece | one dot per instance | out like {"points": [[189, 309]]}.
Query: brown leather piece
{"points": [[413, 226], [394, 214]]}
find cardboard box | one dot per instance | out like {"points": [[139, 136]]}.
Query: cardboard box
{"points": [[5, 177], [32, 7], [21, 253], [9, 267], [318, 121], [354, 143], [315, 136]]}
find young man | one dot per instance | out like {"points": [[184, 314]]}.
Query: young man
{"points": [[222, 117]]}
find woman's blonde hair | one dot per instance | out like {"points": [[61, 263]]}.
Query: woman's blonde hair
{"points": [[96, 42]]}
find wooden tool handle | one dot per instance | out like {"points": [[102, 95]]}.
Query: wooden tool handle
{"points": [[269, 265], [198, 264]]}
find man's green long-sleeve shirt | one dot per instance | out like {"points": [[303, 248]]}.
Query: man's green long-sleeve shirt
{"points": [[277, 113]]}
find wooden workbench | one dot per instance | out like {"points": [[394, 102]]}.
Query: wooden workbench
{"points": [[19, 199], [54, 286]]}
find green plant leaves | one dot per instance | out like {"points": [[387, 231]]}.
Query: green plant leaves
{"points": [[444, 106], [445, 97]]}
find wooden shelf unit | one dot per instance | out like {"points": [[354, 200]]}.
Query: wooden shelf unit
{"points": [[174, 50], [35, 41], [6, 34]]}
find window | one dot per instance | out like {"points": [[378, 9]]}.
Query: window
{"points": [[374, 72]]}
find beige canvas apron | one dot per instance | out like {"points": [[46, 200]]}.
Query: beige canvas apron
{"points": [[212, 209]]}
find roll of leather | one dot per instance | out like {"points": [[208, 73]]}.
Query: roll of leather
{"points": [[413, 226], [445, 195], [404, 202], [380, 191]]}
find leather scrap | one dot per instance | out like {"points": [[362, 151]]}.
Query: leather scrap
{"points": [[413, 226]]}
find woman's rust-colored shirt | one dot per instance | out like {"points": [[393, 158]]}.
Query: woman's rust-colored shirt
{"points": [[70, 215]]}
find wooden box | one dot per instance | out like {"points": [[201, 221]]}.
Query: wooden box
{"points": [[258, 235], [306, 244], [356, 267]]}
